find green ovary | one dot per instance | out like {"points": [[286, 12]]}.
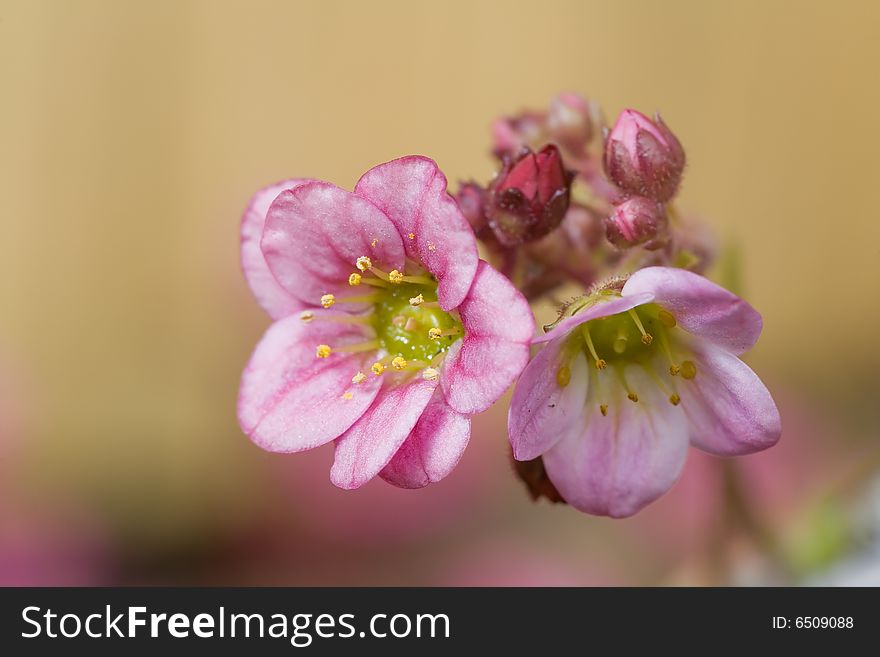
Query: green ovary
{"points": [[402, 328]]}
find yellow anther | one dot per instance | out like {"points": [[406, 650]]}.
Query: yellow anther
{"points": [[377, 368], [359, 378], [417, 300], [647, 338], [633, 397], [603, 409], [354, 279], [674, 399], [666, 318], [563, 376], [323, 351], [688, 369], [307, 316], [399, 363], [328, 300], [398, 321], [435, 333], [674, 370], [395, 276], [430, 374], [412, 236], [364, 263], [601, 364], [347, 395]]}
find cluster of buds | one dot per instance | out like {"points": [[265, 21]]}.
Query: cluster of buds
{"points": [[645, 160]]}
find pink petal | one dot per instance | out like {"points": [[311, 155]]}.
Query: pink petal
{"points": [[412, 192], [730, 410], [433, 449], [498, 326], [315, 234], [371, 442], [269, 294], [542, 412], [700, 306], [289, 399], [602, 309], [625, 460]]}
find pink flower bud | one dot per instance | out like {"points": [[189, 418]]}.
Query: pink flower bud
{"points": [[569, 122], [643, 157], [530, 196], [638, 220]]}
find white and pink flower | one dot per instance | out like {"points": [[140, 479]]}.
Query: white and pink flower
{"points": [[629, 377], [390, 332]]}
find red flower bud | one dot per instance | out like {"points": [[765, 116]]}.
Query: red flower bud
{"points": [[530, 196], [638, 220], [643, 157]]}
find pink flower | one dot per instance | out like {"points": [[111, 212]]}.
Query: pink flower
{"points": [[390, 331], [630, 376]]}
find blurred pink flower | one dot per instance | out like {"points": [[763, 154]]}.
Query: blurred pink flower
{"points": [[613, 442], [394, 377]]}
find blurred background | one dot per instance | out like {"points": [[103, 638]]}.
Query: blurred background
{"points": [[131, 137]]}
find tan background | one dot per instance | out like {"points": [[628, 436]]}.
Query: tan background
{"points": [[133, 133]]}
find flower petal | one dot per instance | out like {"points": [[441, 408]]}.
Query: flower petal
{"points": [[371, 442], [498, 326], [730, 410], [625, 460], [433, 449], [315, 234], [289, 399], [602, 309], [700, 306], [542, 412], [269, 294], [412, 192]]}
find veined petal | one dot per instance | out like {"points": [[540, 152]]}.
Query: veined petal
{"points": [[625, 460], [289, 399], [700, 306], [730, 410], [371, 442], [412, 192], [433, 449], [613, 306], [498, 326], [269, 294], [315, 234], [543, 411]]}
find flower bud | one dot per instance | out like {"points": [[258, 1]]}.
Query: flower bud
{"points": [[471, 199], [530, 196], [638, 220], [643, 157], [510, 135], [569, 122]]}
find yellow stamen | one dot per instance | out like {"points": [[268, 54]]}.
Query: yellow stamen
{"points": [[412, 236], [633, 397], [364, 263], [603, 409], [377, 368], [418, 280], [674, 370], [437, 333], [395, 277], [307, 316], [664, 342], [359, 378], [417, 300], [358, 298], [563, 376], [354, 279], [399, 363], [347, 395], [647, 338], [358, 347], [674, 399], [328, 300], [600, 362], [666, 318], [430, 374], [323, 350], [688, 369]]}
